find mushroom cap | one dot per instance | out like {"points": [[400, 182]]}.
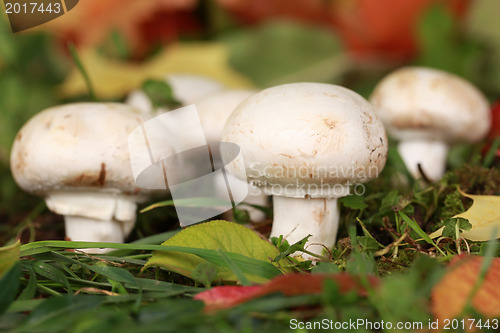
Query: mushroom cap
{"points": [[215, 109], [80, 146], [306, 139], [430, 104]]}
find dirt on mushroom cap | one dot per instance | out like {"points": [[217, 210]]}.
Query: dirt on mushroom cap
{"points": [[81, 145], [419, 102]]}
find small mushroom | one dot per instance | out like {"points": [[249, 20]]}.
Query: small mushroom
{"points": [[306, 144], [186, 88], [427, 110], [76, 157], [214, 111]]}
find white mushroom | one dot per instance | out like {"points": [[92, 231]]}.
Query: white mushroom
{"points": [[214, 111], [186, 88], [306, 144], [76, 157], [427, 110]]}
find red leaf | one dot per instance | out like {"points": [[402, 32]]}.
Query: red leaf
{"points": [[226, 296], [495, 128], [141, 23], [289, 285], [367, 27], [385, 27], [450, 295], [495, 120]]}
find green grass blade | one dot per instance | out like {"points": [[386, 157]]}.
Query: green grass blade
{"points": [[83, 71], [234, 267], [414, 225], [247, 265], [490, 155]]}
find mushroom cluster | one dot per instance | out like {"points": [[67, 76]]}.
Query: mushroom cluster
{"points": [[427, 110], [76, 157], [306, 144]]}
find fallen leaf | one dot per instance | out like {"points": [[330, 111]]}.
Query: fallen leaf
{"points": [[113, 78], [368, 27], [9, 255], [227, 236], [484, 217], [224, 297], [449, 296], [495, 126], [129, 18]]}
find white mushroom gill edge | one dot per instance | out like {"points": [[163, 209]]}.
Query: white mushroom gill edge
{"points": [[429, 154], [96, 217], [317, 217]]}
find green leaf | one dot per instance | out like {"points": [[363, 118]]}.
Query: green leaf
{"points": [[287, 249], [53, 312], [442, 47], [482, 24], [9, 284], [52, 273], [160, 93], [113, 273], [453, 226], [361, 263], [354, 202], [368, 243], [391, 199], [323, 267], [9, 255], [280, 52], [206, 273], [30, 289], [226, 236]]}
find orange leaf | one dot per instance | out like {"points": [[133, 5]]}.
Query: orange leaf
{"points": [[225, 297], [450, 295], [92, 21]]}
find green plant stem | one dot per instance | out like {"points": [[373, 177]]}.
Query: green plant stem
{"points": [[81, 69], [47, 290], [490, 155]]}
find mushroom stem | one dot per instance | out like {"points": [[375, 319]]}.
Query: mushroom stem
{"points": [[79, 228], [296, 218], [430, 154]]}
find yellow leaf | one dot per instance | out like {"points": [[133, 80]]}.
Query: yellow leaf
{"points": [[9, 255], [484, 215], [113, 78]]}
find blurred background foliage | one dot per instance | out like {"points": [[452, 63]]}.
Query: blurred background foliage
{"points": [[242, 43]]}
